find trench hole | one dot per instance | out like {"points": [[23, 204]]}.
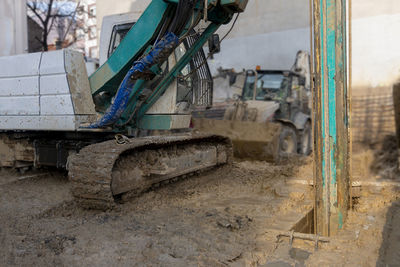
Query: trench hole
{"points": [[306, 224], [355, 202]]}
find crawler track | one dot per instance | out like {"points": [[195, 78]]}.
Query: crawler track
{"points": [[102, 172]]}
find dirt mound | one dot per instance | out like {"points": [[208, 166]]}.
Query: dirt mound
{"points": [[250, 139]]}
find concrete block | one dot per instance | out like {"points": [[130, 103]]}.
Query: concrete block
{"points": [[21, 86], [52, 62], [42, 123], [20, 65], [54, 84], [19, 105], [56, 105]]}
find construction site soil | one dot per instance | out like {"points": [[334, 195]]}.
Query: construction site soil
{"points": [[230, 216]]}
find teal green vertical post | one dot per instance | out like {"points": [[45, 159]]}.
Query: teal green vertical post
{"points": [[330, 116]]}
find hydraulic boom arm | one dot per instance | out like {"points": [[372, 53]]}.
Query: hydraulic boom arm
{"points": [[138, 60]]}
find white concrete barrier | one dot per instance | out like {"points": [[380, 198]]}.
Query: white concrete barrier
{"points": [[44, 91]]}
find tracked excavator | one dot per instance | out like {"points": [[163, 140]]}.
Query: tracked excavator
{"points": [[105, 129]]}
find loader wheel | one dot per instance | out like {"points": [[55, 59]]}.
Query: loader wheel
{"points": [[287, 142], [305, 145]]}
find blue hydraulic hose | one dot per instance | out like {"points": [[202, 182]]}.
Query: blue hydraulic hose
{"points": [[160, 52]]}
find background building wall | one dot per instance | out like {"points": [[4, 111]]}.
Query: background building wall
{"points": [[35, 32], [88, 33], [13, 27], [376, 39], [376, 67], [270, 32]]}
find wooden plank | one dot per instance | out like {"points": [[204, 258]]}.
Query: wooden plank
{"points": [[331, 116]]}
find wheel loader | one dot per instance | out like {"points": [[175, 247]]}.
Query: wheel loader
{"points": [[100, 127], [270, 119]]}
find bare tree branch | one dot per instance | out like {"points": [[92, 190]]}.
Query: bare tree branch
{"points": [[34, 10], [39, 40], [72, 19], [51, 17]]}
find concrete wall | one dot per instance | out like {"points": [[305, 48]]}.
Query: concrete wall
{"points": [[13, 27], [274, 50], [268, 33], [376, 66], [376, 47]]}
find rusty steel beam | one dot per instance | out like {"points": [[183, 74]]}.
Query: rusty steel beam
{"points": [[331, 147]]}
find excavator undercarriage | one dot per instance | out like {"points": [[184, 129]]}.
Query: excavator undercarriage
{"points": [[125, 170], [103, 173]]}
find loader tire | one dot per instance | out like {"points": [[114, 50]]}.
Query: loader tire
{"points": [[305, 144], [287, 143]]}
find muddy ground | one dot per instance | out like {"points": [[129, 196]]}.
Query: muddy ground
{"points": [[225, 217]]}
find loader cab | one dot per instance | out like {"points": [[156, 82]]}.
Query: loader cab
{"points": [[284, 87], [266, 85]]}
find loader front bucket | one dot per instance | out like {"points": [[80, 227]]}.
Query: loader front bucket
{"points": [[250, 139]]}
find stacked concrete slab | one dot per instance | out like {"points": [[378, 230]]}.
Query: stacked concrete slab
{"points": [[44, 91]]}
